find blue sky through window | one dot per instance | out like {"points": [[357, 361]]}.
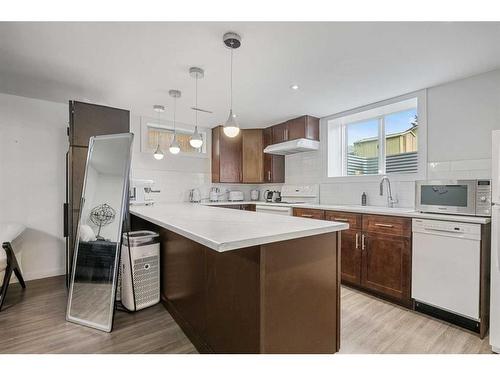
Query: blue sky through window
{"points": [[394, 123]]}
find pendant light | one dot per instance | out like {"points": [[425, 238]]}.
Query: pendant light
{"points": [[196, 141], [158, 154], [231, 128], [174, 146]]}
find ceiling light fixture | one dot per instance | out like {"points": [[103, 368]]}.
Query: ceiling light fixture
{"points": [[294, 87], [231, 128], [174, 146], [158, 154], [196, 141]]}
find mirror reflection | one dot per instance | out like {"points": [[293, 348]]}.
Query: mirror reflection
{"points": [[93, 283]]}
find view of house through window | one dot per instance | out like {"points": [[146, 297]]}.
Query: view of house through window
{"points": [[386, 144]]}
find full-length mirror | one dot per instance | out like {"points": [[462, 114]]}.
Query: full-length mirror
{"points": [[97, 246]]}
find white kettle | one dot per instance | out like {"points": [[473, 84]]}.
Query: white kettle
{"points": [[254, 194]]}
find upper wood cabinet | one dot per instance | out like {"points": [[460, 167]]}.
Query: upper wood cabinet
{"points": [[242, 160], [274, 165], [279, 133], [300, 127], [252, 155], [88, 120], [226, 157], [303, 127]]}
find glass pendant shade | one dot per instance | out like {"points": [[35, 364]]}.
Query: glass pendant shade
{"points": [[196, 141], [174, 146], [158, 155], [231, 128]]}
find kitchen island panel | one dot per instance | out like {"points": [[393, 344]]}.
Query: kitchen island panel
{"points": [[300, 295]]}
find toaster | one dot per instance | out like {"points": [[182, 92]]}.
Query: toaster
{"points": [[235, 196]]}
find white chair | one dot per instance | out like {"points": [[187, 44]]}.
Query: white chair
{"points": [[8, 261]]}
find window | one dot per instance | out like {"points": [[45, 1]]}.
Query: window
{"points": [[154, 133], [381, 140]]}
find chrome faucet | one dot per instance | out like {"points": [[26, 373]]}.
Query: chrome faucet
{"points": [[391, 202]]}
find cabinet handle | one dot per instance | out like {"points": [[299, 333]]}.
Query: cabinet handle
{"points": [[363, 242], [357, 240], [286, 134], [384, 225], [268, 175], [340, 219], [306, 215]]}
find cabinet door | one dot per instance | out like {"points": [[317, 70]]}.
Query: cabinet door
{"points": [[296, 128], [226, 157], [279, 133], [386, 265], [253, 155], [350, 242], [87, 120], [303, 127], [274, 165]]}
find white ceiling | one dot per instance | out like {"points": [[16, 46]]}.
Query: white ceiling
{"points": [[338, 66]]}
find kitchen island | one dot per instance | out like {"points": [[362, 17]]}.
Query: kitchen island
{"points": [[248, 282]]}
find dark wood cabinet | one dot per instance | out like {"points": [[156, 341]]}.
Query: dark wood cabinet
{"points": [[376, 254], [85, 120], [309, 213], [252, 155], [300, 127], [226, 157], [274, 165], [303, 127], [350, 245], [242, 160], [279, 133], [386, 265]]}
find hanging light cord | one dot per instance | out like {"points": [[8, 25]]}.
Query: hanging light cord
{"points": [[159, 132], [175, 102], [231, 90], [196, 103]]}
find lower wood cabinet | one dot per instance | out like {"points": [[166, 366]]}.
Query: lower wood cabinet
{"points": [[309, 213], [350, 265], [376, 254], [386, 265]]}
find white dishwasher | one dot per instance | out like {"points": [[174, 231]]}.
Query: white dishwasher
{"points": [[446, 266]]}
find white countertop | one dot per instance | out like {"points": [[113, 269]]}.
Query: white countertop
{"points": [[376, 210], [227, 229]]}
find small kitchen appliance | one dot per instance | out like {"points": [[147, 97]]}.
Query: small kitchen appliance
{"points": [[458, 197], [140, 270], [268, 195], [254, 195], [194, 196], [214, 194], [141, 192], [236, 196]]}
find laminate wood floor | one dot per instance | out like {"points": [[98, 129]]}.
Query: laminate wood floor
{"points": [[371, 325], [34, 322]]}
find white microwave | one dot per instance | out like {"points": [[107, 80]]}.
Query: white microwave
{"points": [[459, 197]]}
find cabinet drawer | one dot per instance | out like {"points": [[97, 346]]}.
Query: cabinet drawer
{"points": [[354, 220], [392, 225], [309, 213]]}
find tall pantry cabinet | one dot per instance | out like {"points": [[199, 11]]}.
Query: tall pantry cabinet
{"points": [[85, 120]]}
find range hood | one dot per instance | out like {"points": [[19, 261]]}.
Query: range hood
{"points": [[292, 147]]}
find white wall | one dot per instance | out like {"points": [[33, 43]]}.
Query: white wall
{"points": [[33, 144], [460, 117]]}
